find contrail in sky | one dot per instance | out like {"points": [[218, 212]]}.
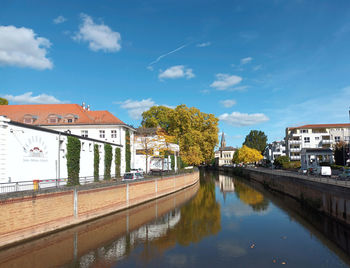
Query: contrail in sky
{"points": [[166, 54]]}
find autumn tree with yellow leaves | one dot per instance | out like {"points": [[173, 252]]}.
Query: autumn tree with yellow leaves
{"points": [[195, 132], [246, 155]]}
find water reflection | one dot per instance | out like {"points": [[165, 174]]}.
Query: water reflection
{"points": [[224, 222]]}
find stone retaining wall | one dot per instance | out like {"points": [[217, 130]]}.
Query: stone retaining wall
{"points": [[25, 215]]}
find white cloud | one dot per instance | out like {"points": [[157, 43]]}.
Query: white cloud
{"points": [[168, 53], [246, 60], [21, 47], [205, 44], [59, 20], [136, 108], [257, 67], [28, 98], [205, 91], [238, 119], [225, 81], [228, 103], [99, 36], [177, 71]]}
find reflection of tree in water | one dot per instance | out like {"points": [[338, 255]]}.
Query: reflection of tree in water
{"points": [[250, 196], [199, 218]]}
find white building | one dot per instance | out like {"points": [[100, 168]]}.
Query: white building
{"points": [[77, 120], [275, 149], [30, 153], [314, 136], [148, 144], [224, 155]]}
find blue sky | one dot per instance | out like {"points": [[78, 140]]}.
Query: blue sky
{"points": [[254, 64]]}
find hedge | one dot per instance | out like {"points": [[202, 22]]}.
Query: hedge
{"points": [[117, 161], [127, 151], [96, 163], [73, 160], [108, 161]]}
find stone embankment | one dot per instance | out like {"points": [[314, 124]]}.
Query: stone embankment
{"points": [[326, 195], [25, 215]]}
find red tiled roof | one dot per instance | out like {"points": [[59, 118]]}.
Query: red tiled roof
{"points": [[41, 113], [323, 126]]}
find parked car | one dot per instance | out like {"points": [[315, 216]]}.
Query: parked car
{"points": [[345, 175], [129, 176], [136, 170]]}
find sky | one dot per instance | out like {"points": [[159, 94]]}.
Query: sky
{"points": [[259, 64]]}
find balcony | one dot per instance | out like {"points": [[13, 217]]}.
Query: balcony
{"points": [[295, 157], [295, 150], [327, 142], [295, 142]]}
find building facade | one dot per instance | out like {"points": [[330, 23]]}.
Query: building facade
{"points": [[34, 153], [224, 155], [149, 143], [274, 150], [77, 120], [314, 136]]}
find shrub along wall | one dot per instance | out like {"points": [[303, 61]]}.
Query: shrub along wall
{"points": [[96, 163], [73, 160], [127, 151], [117, 159], [108, 161]]}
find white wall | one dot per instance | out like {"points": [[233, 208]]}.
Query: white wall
{"points": [[32, 154]]}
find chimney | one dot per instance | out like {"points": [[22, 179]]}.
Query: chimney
{"points": [[83, 105], [88, 107]]}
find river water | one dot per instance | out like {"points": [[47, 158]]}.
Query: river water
{"points": [[223, 222]]}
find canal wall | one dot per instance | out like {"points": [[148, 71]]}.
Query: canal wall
{"points": [[24, 215], [328, 198], [81, 243]]}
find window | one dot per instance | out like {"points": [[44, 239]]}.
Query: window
{"points": [[52, 120], [70, 120], [317, 138], [83, 146], [304, 131], [28, 120], [337, 138], [113, 134], [307, 139], [84, 133], [90, 147], [102, 134]]}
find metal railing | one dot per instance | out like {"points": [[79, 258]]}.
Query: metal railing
{"points": [[59, 183]]}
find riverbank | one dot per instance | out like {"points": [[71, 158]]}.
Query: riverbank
{"points": [[29, 214], [327, 196]]}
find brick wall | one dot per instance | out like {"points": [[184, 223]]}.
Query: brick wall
{"points": [[29, 214]]}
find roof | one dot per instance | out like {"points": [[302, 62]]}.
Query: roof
{"points": [[316, 151], [41, 113], [227, 148], [323, 126]]}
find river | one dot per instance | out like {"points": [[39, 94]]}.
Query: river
{"points": [[223, 222]]}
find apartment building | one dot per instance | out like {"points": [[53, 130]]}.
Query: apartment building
{"points": [[275, 149], [314, 136]]}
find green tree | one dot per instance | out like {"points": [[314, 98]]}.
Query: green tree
{"points": [[73, 160], [340, 153], [256, 139], [195, 132], [108, 161], [4, 101], [96, 163]]}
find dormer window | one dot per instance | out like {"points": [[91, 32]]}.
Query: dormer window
{"points": [[29, 119], [54, 118], [70, 118]]}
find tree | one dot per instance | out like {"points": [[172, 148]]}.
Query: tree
{"points": [[195, 132], [108, 161], [340, 153], [4, 101], [256, 139], [147, 142], [117, 161], [127, 151], [246, 155]]}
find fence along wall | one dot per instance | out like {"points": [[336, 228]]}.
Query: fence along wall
{"points": [[30, 153], [24, 215]]}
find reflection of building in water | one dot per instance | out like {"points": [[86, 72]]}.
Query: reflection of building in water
{"points": [[226, 184], [119, 248]]}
